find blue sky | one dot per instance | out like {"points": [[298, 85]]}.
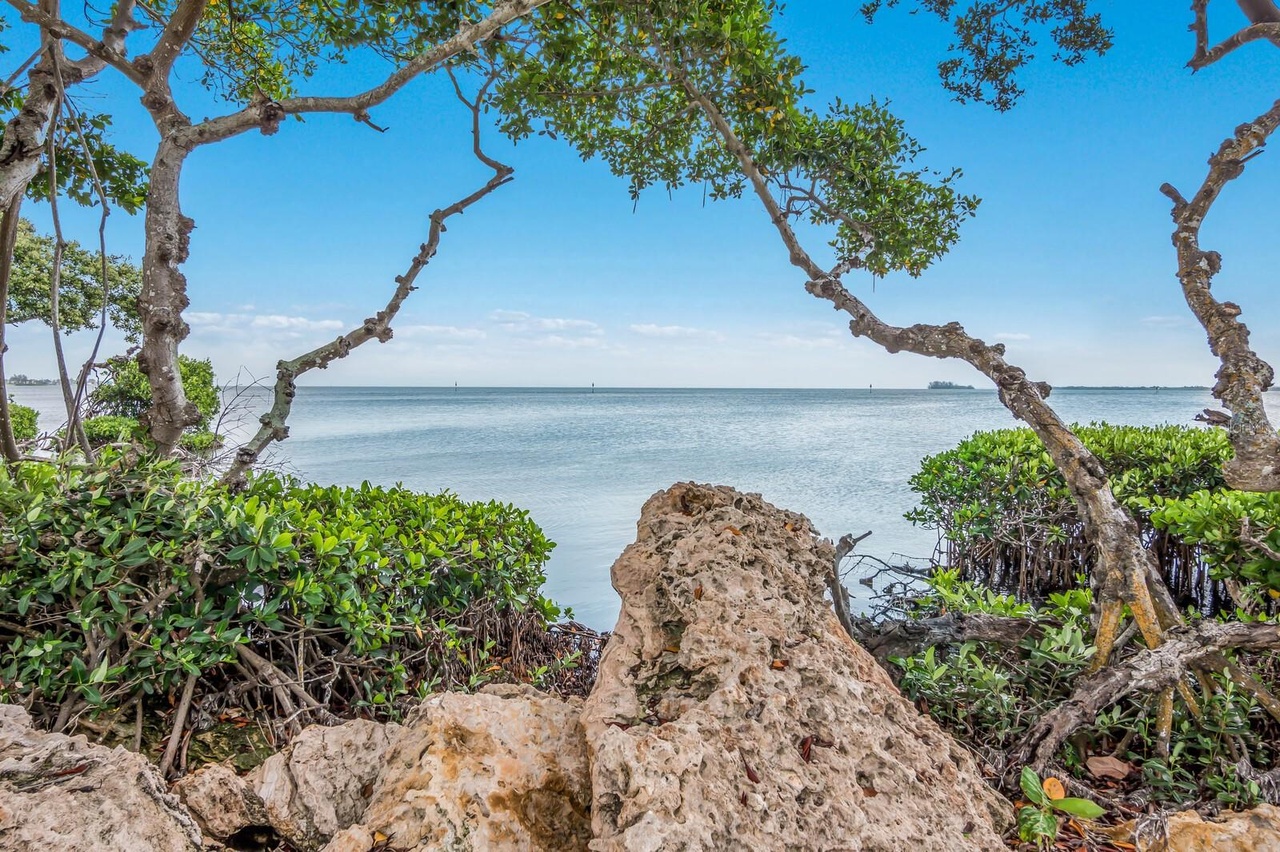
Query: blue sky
{"points": [[557, 280]]}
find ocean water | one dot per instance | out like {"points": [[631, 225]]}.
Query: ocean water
{"points": [[583, 462]]}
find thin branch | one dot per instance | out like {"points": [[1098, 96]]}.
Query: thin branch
{"points": [[376, 327], [267, 114], [8, 83], [8, 240], [104, 272], [75, 432]]}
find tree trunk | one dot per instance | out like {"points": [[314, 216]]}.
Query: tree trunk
{"points": [[163, 299], [8, 237]]}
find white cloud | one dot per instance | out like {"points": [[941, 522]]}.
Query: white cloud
{"points": [[521, 322], [295, 323], [675, 331], [1165, 321], [805, 342], [1013, 335], [557, 341], [239, 322], [442, 333]]}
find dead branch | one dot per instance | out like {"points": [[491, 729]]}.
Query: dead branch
{"points": [[1149, 670], [179, 722], [905, 638]]}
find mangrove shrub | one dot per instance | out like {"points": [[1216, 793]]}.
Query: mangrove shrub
{"points": [[1004, 515], [122, 580]]}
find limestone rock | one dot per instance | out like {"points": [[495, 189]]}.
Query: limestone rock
{"points": [[60, 792], [223, 804], [732, 712], [1256, 830], [504, 769], [321, 782]]}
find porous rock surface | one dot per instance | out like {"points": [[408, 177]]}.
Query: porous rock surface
{"points": [[223, 803], [505, 769], [732, 712], [321, 783], [1255, 830], [59, 792]]}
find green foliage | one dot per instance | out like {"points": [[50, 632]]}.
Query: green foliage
{"points": [[980, 695], [22, 419], [998, 496], [1037, 822], [111, 428], [80, 294], [1217, 521], [1003, 511], [121, 578], [621, 79], [994, 41], [1203, 752], [989, 696], [123, 390], [122, 176], [256, 48]]}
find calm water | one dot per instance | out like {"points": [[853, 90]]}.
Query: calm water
{"points": [[583, 463]]}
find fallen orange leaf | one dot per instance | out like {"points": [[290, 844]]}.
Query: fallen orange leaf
{"points": [[1053, 789]]}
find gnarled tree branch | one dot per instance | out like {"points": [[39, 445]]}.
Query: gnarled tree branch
{"points": [[1243, 376], [1154, 669]]}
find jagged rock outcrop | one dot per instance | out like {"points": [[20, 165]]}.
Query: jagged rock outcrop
{"points": [[505, 769], [62, 793], [732, 712]]}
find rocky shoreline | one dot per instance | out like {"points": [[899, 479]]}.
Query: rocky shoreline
{"points": [[730, 712]]}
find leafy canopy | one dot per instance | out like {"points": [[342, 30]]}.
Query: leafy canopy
{"points": [[80, 292], [995, 39], [633, 82]]}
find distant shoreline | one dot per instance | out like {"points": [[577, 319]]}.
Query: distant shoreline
{"points": [[601, 388]]}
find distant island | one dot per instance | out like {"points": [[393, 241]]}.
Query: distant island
{"points": [[24, 382], [948, 386]]}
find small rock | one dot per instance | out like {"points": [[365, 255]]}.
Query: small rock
{"points": [[1256, 830], [223, 803], [321, 782], [504, 769], [62, 793]]}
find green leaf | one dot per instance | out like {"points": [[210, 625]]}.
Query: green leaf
{"points": [[1030, 783], [1082, 808]]}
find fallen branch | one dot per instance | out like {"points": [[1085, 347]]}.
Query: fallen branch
{"points": [[1150, 670], [901, 638]]}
